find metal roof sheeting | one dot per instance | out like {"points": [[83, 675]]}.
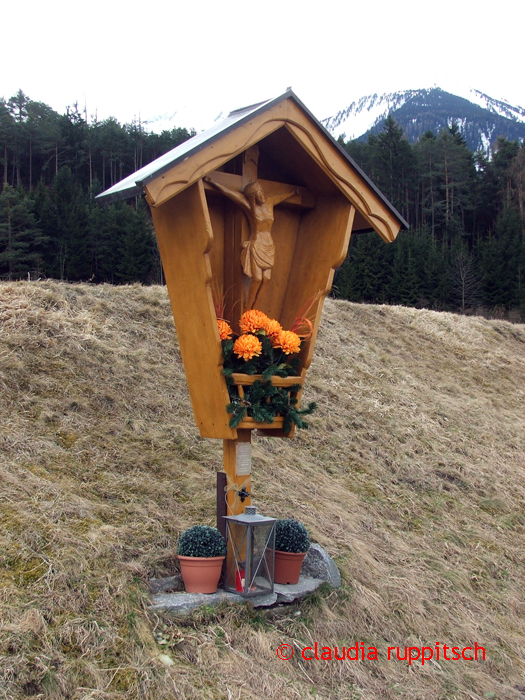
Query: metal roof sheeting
{"points": [[133, 184]]}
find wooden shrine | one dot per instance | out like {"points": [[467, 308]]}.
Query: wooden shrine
{"points": [[257, 211]]}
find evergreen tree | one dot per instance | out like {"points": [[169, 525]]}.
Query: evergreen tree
{"points": [[510, 246], [7, 129], [104, 256], [427, 155], [17, 105], [433, 275], [21, 241], [42, 130], [135, 247], [404, 285], [394, 164], [517, 175], [72, 260], [43, 209], [500, 260], [362, 275], [457, 175], [74, 147], [362, 153], [495, 186]]}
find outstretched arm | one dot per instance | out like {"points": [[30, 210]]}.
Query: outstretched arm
{"points": [[278, 198], [234, 195]]}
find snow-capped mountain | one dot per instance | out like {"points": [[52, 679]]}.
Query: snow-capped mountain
{"points": [[481, 118]]}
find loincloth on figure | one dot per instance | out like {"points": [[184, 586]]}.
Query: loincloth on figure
{"points": [[259, 252]]}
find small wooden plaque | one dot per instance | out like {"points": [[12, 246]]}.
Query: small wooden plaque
{"points": [[243, 458]]}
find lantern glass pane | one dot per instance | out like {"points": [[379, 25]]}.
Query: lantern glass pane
{"points": [[236, 557], [250, 559], [262, 558]]}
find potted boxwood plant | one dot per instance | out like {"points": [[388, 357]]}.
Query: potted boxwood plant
{"points": [[201, 551], [291, 544]]}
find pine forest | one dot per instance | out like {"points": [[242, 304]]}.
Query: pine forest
{"points": [[464, 250]]}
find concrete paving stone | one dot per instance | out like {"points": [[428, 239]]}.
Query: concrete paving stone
{"points": [[183, 603], [287, 593]]}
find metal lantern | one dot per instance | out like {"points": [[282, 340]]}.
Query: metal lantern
{"points": [[251, 553]]}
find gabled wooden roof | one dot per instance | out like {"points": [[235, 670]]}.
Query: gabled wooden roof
{"points": [[179, 168]]}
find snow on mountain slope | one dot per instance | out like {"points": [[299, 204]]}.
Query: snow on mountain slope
{"points": [[363, 114], [496, 106]]}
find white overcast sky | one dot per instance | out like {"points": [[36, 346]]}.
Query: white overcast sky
{"points": [[126, 59]]}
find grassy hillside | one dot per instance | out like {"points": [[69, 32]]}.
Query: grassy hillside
{"points": [[412, 476]]}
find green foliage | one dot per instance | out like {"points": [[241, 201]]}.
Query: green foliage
{"points": [[201, 541], [263, 402], [36, 142], [291, 536], [393, 162]]}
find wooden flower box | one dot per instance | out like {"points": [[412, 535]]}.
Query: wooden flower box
{"points": [[242, 380]]}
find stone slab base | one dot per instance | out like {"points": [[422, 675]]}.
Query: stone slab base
{"points": [[183, 603]]}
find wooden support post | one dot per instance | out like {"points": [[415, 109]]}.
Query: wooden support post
{"points": [[221, 512], [237, 466], [221, 503]]}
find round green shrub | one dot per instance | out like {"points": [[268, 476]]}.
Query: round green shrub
{"points": [[291, 536], [202, 541]]}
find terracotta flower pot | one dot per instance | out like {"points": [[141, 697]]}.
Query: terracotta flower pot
{"points": [[288, 566], [201, 574]]}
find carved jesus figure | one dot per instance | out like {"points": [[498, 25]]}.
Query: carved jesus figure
{"points": [[258, 252]]}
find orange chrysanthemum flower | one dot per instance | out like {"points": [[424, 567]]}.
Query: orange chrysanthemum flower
{"points": [[272, 328], [252, 321], [289, 342], [225, 331], [247, 346]]}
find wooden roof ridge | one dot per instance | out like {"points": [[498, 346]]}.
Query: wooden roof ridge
{"points": [[134, 184]]}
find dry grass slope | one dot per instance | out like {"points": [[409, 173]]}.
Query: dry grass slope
{"points": [[412, 476]]}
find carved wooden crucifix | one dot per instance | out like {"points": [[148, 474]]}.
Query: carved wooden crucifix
{"points": [[256, 199]]}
